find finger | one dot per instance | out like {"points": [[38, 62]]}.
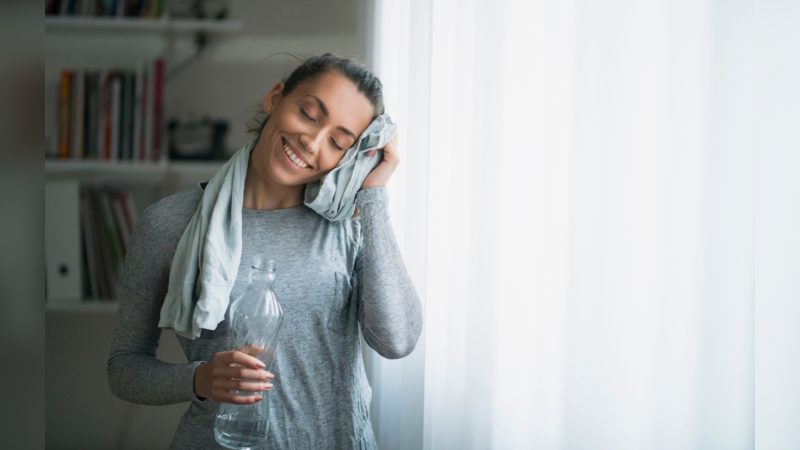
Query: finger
{"points": [[242, 373], [240, 399], [390, 156], [241, 385], [371, 152], [237, 357], [391, 147]]}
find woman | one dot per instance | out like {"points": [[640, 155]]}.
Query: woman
{"points": [[332, 277]]}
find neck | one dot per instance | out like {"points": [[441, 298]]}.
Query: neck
{"points": [[261, 193]]}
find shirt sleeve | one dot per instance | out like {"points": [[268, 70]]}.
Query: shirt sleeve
{"points": [[134, 372], [390, 312]]}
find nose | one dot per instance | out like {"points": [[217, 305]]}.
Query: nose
{"points": [[311, 142]]}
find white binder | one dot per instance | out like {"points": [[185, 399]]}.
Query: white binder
{"points": [[62, 241]]}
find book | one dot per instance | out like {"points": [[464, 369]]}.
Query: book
{"points": [[126, 114], [111, 115], [108, 245], [105, 116], [51, 121], [156, 7], [105, 8], [158, 107], [52, 7], [64, 116], [122, 221], [120, 225], [136, 141], [129, 210], [92, 114], [78, 117], [91, 264], [133, 8], [108, 221], [88, 7], [116, 116], [100, 243], [112, 230], [131, 108], [147, 132]]}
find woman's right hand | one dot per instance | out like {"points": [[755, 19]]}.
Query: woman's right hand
{"points": [[225, 372]]}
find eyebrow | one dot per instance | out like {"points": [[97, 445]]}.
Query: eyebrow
{"points": [[325, 111]]}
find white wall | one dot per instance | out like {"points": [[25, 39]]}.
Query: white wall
{"points": [[81, 412], [239, 69]]}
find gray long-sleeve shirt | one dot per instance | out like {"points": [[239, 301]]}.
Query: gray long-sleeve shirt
{"points": [[332, 276]]}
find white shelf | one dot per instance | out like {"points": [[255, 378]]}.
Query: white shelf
{"points": [[77, 23], [130, 171], [81, 306], [194, 168], [77, 166]]}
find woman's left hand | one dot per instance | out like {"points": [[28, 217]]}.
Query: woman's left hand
{"points": [[381, 173]]}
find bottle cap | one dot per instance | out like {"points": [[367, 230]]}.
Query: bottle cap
{"points": [[261, 262]]}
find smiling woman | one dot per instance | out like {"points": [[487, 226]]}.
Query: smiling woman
{"points": [[334, 277], [305, 137]]}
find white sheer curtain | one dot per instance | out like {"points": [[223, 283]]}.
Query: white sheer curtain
{"points": [[576, 206]]}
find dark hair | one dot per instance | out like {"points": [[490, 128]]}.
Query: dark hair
{"points": [[367, 83]]}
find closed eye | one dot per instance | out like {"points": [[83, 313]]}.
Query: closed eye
{"points": [[308, 116], [335, 144]]}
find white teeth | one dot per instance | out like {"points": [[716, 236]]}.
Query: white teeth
{"points": [[298, 162]]}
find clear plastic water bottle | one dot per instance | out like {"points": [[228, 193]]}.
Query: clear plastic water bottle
{"points": [[255, 319]]}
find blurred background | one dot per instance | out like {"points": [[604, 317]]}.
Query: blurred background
{"points": [[598, 204], [143, 99]]}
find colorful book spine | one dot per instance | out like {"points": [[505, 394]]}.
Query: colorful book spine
{"points": [[105, 8], [147, 108], [105, 117], [136, 139], [116, 117], [158, 107], [64, 116], [78, 115], [109, 114], [108, 218]]}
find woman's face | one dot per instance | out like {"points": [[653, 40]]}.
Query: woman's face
{"points": [[310, 128]]}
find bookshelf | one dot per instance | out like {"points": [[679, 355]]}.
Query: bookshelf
{"points": [[107, 44], [129, 172], [159, 25]]}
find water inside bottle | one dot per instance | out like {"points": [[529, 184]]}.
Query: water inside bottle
{"points": [[240, 433]]}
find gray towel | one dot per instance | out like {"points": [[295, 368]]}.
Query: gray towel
{"points": [[206, 261], [334, 196]]}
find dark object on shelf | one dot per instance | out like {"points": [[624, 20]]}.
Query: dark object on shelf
{"points": [[118, 8], [52, 7], [197, 139], [198, 9]]}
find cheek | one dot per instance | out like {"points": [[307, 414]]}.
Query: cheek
{"points": [[267, 132], [330, 160], [280, 122]]}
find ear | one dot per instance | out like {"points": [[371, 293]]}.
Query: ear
{"points": [[272, 98]]}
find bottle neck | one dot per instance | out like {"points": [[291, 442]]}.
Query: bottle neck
{"points": [[258, 276]]}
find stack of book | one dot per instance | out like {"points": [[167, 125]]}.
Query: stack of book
{"points": [[105, 8], [107, 217], [110, 114]]}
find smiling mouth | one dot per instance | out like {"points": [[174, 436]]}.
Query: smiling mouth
{"points": [[293, 156]]}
